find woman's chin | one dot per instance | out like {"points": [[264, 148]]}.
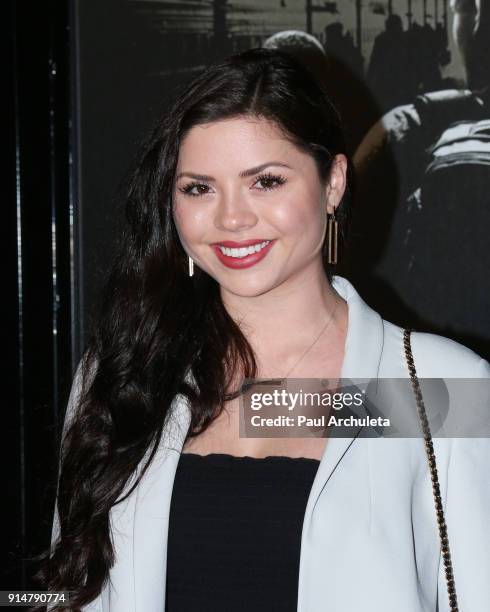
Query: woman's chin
{"points": [[247, 287]]}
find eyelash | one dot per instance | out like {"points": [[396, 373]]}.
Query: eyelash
{"points": [[280, 180]]}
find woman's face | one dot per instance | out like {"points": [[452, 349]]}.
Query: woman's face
{"points": [[239, 183]]}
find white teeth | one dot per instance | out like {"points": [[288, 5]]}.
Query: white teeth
{"points": [[244, 251]]}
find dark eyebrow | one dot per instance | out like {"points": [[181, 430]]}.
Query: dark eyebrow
{"points": [[243, 174]]}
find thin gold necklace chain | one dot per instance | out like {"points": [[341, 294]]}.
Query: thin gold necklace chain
{"points": [[324, 328]]}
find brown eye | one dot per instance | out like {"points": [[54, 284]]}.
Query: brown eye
{"points": [[194, 189], [270, 181]]}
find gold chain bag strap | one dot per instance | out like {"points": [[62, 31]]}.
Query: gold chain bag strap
{"points": [[429, 447]]}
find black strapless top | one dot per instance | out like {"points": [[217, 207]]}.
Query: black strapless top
{"points": [[234, 533]]}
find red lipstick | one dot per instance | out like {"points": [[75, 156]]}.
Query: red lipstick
{"points": [[241, 262]]}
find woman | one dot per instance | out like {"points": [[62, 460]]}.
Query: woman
{"points": [[161, 504]]}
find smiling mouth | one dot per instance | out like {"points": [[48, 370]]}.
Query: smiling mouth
{"points": [[243, 251], [243, 257]]}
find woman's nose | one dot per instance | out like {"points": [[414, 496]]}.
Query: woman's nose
{"points": [[234, 213]]}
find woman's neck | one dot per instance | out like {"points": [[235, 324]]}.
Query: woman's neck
{"points": [[281, 323]]}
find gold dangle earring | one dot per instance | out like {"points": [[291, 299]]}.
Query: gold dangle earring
{"points": [[191, 266], [332, 229]]}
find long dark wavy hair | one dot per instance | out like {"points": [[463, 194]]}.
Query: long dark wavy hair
{"points": [[156, 324]]}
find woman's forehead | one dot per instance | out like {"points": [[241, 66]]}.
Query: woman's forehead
{"points": [[241, 139]]}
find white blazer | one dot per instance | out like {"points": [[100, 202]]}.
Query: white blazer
{"points": [[369, 540]]}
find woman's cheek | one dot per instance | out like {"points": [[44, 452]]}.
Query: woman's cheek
{"points": [[189, 222], [298, 213]]}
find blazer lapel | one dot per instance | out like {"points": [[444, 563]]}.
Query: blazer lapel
{"points": [[152, 511], [362, 357]]}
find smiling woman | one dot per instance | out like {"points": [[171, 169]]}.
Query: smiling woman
{"points": [[161, 504], [279, 216]]}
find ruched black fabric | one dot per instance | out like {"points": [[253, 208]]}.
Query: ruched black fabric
{"points": [[234, 533]]}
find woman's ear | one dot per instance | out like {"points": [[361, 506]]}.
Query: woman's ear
{"points": [[337, 182]]}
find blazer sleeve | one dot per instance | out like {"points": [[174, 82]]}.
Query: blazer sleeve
{"points": [[467, 512], [73, 403], [70, 414]]}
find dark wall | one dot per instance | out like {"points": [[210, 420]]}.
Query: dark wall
{"points": [[38, 287]]}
